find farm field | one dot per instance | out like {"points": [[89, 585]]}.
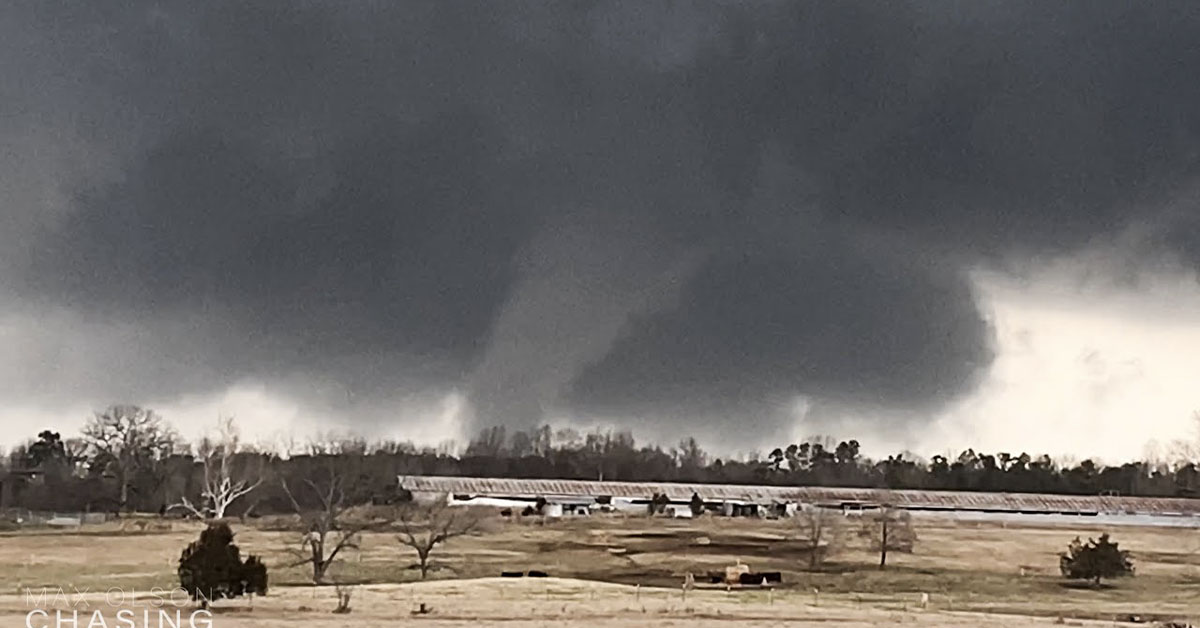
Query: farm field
{"points": [[628, 572]]}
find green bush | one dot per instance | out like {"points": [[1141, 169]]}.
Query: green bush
{"points": [[1095, 560], [211, 568]]}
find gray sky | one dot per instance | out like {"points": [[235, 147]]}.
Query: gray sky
{"points": [[926, 225]]}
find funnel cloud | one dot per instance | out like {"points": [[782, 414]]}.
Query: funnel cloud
{"points": [[673, 217]]}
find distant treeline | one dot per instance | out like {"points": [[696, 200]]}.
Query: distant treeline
{"points": [[128, 458]]}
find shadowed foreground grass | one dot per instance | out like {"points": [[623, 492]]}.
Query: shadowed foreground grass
{"points": [[962, 567]]}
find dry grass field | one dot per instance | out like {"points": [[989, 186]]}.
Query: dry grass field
{"points": [[629, 571]]}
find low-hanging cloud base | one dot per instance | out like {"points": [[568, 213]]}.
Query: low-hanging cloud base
{"points": [[741, 222]]}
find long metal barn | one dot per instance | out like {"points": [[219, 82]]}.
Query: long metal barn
{"points": [[559, 497]]}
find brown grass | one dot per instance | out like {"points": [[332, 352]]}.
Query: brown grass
{"points": [[599, 564]]}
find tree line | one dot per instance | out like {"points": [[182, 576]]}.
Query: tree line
{"points": [[129, 458]]}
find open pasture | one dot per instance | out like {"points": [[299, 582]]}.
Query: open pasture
{"points": [[622, 571]]}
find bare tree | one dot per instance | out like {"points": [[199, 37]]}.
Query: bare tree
{"points": [[1184, 450], [76, 450], [889, 530], [822, 530], [425, 526], [335, 444], [125, 440], [322, 504], [229, 473]]}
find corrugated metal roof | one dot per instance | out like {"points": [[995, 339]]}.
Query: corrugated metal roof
{"points": [[949, 500]]}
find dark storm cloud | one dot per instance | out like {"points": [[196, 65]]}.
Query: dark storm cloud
{"points": [[408, 247], [837, 323], [804, 185]]}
